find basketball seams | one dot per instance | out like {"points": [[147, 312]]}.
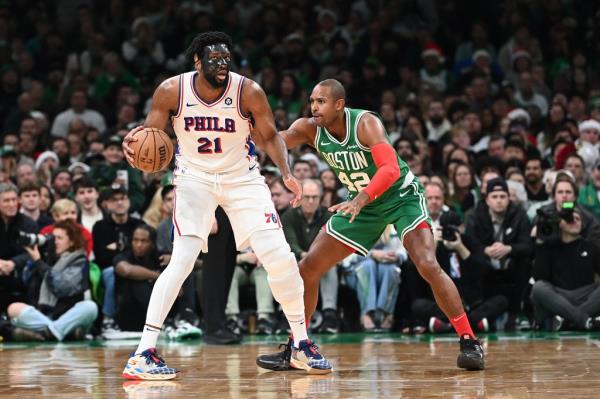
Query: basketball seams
{"points": [[164, 143], [154, 133], [139, 151], [160, 146]]}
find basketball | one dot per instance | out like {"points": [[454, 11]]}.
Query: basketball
{"points": [[153, 150]]}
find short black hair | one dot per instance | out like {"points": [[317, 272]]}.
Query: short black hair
{"points": [[516, 144], [166, 190], [63, 139], [84, 182], [337, 89], [413, 146], [29, 186], [299, 161], [206, 39], [151, 231], [58, 171]]}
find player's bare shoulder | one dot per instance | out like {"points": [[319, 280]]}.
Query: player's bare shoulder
{"points": [[251, 87], [370, 130], [166, 95], [253, 98]]}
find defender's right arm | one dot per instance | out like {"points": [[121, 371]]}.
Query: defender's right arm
{"points": [[165, 102]]}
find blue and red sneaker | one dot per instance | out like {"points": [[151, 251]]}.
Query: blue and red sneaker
{"points": [[148, 365], [307, 357]]}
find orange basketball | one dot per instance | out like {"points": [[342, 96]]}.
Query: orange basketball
{"points": [[153, 150]]}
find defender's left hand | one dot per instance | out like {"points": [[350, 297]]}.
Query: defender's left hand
{"points": [[353, 207]]}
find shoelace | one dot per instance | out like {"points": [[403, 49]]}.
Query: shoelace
{"points": [[312, 348], [155, 358]]}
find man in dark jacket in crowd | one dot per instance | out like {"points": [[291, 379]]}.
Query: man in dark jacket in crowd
{"points": [[463, 260], [565, 287], [12, 255], [502, 229], [565, 190], [111, 236]]}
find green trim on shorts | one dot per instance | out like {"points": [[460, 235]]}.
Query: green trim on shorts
{"points": [[340, 237], [424, 214]]}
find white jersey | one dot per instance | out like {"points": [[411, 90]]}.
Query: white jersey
{"points": [[215, 137]]}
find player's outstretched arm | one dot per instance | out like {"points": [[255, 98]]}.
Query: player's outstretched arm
{"points": [[254, 101], [164, 103], [302, 131], [372, 134]]}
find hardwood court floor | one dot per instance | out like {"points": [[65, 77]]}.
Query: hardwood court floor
{"points": [[388, 366]]}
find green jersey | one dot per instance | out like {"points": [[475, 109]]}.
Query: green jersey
{"points": [[352, 162]]}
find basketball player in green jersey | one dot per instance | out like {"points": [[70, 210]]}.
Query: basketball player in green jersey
{"points": [[382, 191]]}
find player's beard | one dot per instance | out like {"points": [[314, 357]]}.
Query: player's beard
{"points": [[214, 82]]}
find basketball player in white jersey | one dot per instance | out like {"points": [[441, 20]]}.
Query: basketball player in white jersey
{"points": [[215, 114]]}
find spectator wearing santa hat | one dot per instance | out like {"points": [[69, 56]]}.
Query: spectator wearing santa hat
{"points": [[433, 73], [480, 63], [588, 143]]}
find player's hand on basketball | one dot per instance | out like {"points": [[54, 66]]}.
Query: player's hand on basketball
{"points": [[128, 151], [353, 207], [294, 186]]}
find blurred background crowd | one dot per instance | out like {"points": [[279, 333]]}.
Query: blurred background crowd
{"points": [[494, 105]]}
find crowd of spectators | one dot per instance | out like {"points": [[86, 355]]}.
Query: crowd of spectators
{"points": [[494, 105]]}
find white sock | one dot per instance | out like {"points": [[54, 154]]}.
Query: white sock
{"points": [[298, 327], [149, 338], [166, 288]]}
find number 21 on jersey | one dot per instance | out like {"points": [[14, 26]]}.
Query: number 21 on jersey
{"points": [[206, 145]]}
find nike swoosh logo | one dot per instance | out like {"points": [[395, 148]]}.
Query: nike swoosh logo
{"points": [[403, 194], [252, 167], [190, 105], [325, 143]]}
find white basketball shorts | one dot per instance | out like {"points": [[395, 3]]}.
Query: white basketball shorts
{"points": [[244, 196]]}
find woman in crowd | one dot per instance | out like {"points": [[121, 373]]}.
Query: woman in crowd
{"points": [[61, 311]]}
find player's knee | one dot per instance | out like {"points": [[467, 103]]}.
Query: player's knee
{"points": [[312, 269], [280, 263], [272, 250], [184, 255], [429, 268], [309, 270]]}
